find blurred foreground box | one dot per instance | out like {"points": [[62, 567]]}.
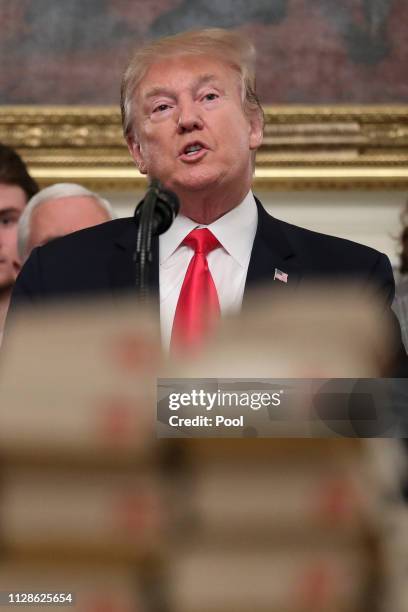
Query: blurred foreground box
{"points": [[91, 501]]}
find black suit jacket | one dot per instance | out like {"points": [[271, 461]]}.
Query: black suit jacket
{"points": [[99, 260]]}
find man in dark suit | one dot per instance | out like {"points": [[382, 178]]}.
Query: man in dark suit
{"points": [[192, 119], [16, 187]]}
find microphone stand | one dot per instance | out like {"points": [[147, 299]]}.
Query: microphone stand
{"points": [[153, 215]]}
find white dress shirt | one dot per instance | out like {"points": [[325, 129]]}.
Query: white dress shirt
{"points": [[228, 265]]}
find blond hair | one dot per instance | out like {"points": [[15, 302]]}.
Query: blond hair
{"points": [[230, 47]]}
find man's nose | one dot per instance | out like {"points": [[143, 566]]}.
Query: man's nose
{"points": [[189, 118]]}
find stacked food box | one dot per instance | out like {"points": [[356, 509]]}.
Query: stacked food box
{"points": [[289, 525], [96, 510], [83, 497]]}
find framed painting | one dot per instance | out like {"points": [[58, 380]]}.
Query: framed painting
{"points": [[331, 75]]}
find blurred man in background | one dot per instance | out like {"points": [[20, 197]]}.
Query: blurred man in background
{"points": [[59, 210], [16, 187], [400, 304]]}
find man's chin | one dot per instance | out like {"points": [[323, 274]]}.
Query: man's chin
{"points": [[194, 184], [6, 283]]}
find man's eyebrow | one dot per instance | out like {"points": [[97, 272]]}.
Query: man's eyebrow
{"points": [[8, 211], [159, 91], [164, 91]]}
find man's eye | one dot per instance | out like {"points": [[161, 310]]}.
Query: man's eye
{"points": [[7, 220], [160, 108], [211, 96]]}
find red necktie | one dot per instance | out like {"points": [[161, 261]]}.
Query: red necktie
{"points": [[198, 307]]}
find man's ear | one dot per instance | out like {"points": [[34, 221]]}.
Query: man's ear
{"points": [[256, 125], [136, 153]]}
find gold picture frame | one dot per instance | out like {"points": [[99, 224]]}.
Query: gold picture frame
{"points": [[305, 147]]}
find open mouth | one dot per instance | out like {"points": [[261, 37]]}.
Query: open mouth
{"points": [[193, 150]]}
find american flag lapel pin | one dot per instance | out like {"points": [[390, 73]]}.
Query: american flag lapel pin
{"points": [[280, 276]]}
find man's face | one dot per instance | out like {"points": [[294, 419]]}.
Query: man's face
{"points": [[54, 218], [12, 203], [191, 130]]}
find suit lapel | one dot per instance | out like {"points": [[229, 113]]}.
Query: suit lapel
{"points": [[271, 251], [121, 267]]}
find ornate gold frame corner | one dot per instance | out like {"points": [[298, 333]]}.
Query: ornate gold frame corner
{"points": [[305, 147]]}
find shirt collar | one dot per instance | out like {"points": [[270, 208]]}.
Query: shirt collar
{"points": [[235, 231]]}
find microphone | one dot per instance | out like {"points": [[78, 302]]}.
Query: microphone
{"points": [[153, 215], [164, 205]]}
